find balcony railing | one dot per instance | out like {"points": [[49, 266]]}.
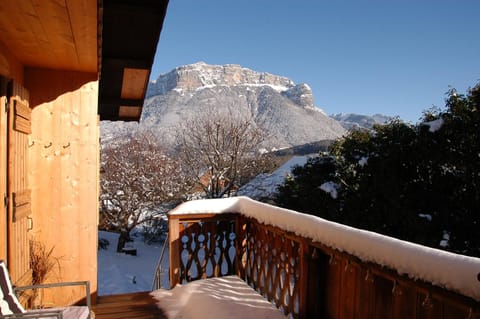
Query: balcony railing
{"points": [[312, 268]]}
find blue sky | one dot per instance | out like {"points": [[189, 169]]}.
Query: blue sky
{"points": [[394, 57]]}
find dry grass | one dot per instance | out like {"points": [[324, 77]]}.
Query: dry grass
{"points": [[41, 261]]}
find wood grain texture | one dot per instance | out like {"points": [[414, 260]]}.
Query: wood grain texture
{"points": [[126, 306], [64, 174], [51, 33], [17, 183], [3, 166]]}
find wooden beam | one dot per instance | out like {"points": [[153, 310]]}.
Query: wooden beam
{"points": [[118, 62], [134, 83], [112, 101], [129, 111]]}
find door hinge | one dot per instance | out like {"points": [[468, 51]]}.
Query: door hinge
{"points": [[6, 105], [5, 201]]}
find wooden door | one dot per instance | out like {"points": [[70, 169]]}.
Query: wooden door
{"points": [[3, 168], [18, 192]]}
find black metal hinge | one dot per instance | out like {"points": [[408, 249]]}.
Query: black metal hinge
{"points": [[5, 201]]}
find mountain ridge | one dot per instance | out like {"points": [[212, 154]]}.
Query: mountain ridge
{"points": [[276, 103]]}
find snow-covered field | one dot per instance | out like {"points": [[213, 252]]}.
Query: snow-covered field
{"points": [[120, 273]]}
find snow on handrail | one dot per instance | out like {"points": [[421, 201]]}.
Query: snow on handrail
{"points": [[452, 271]]}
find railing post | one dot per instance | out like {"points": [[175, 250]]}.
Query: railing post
{"points": [[174, 250], [240, 249]]}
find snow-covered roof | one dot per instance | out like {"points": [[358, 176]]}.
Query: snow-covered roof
{"points": [[454, 272]]}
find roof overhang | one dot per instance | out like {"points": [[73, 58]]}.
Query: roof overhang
{"points": [[129, 36], [50, 34]]}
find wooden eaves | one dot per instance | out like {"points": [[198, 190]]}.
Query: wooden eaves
{"points": [[130, 30]]}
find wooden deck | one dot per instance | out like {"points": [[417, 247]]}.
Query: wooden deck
{"points": [[126, 306]]}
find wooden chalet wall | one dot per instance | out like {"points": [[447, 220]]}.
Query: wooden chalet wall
{"points": [[63, 170], [64, 156]]}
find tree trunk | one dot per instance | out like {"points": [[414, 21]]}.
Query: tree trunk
{"points": [[122, 240]]}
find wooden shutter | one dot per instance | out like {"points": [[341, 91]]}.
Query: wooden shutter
{"points": [[19, 209]]}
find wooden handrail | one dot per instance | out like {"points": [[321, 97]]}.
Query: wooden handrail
{"points": [[304, 279]]}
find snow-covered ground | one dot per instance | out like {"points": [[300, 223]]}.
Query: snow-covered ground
{"points": [[120, 273], [265, 185]]}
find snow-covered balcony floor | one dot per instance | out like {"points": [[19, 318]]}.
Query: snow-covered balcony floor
{"points": [[222, 297]]}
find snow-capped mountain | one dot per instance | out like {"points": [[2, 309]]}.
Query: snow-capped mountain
{"points": [[285, 109], [199, 76]]}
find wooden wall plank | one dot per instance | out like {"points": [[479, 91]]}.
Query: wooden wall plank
{"points": [[3, 167]]}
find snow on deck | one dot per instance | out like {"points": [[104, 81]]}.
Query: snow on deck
{"points": [[220, 297], [452, 271]]}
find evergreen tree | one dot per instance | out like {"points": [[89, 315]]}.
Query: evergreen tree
{"points": [[419, 183]]}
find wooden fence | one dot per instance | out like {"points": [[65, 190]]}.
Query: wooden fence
{"points": [[302, 278]]}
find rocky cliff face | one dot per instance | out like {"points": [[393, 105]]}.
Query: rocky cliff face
{"points": [[285, 109], [201, 75]]}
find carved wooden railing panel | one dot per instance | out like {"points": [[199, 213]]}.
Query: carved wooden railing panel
{"points": [[273, 266], [205, 248]]}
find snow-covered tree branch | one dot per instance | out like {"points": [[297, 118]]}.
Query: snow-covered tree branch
{"points": [[220, 150], [136, 177]]}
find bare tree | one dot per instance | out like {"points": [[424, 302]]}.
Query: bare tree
{"points": [[220, 150], [136, 177]]}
